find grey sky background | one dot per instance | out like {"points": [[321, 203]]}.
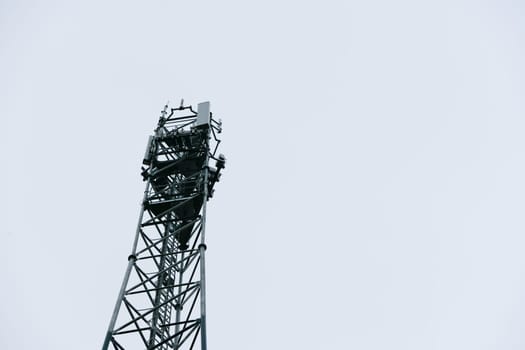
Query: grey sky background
{"points": [[373, 197]]}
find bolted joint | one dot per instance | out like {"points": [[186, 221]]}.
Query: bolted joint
{"points": [[202, 245], [132, 257]]}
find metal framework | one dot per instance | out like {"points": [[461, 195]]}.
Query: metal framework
{"points": [[161, 304]]}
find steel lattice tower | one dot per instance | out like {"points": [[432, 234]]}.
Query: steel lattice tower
{"points": [[161, 304]]}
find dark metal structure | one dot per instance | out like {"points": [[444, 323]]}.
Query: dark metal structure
{"points": [[161, 304]]}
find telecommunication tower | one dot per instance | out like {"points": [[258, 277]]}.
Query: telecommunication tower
{"points": [[162, 301]]}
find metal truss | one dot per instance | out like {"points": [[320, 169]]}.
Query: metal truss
{"points": [[161, 304]]}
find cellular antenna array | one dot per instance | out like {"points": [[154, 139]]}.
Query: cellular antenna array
{"points": [[162, 301]]}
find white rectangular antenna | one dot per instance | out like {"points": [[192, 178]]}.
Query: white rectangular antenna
{"points": [[203, 114]]}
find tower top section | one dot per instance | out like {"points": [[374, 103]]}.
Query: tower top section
{"points": [[164, 291], [185, 118]]}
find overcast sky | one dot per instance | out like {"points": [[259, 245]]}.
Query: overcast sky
{"points": [[374, 194]]}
